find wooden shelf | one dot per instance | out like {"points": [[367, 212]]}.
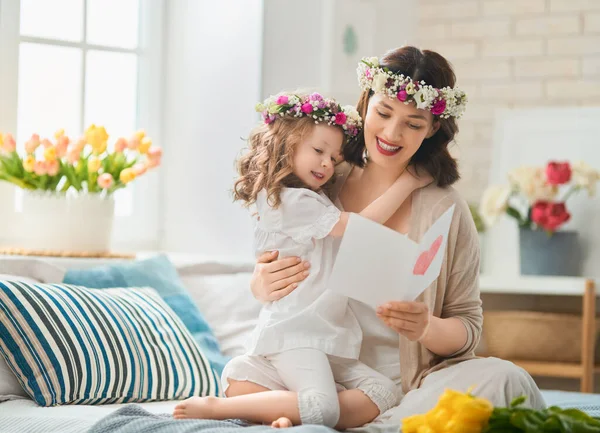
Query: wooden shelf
{"points": [[554, 369], [571, 286]]}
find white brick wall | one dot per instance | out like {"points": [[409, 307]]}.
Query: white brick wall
{"points": [[512, 53]]}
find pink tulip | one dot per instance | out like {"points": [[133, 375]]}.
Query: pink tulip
{"points": [[155, 152], [105, 180], [9, 143], [139, 169], [31, 145], [52, 167], [73, 155], [39, 168], [120, 145], [133, 143], [152, 162], [46, 143], [61, 146]]}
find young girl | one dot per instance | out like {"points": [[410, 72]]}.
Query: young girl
{"points": [[311, 337]]}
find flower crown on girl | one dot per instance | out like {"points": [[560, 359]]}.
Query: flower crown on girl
{"points": [[445, 102], [322, 110]]}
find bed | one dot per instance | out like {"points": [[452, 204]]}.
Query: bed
{"points": [[231, 318]]}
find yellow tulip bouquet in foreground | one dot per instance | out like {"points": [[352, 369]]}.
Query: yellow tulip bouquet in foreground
{"points": [[85, 165], [458, 412]]}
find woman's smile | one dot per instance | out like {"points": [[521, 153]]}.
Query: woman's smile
{"points": [[386, 148]]}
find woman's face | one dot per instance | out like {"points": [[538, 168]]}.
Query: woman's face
{"points": [[394, 131]]}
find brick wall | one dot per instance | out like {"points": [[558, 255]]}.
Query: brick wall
{"points": [[511, 54]]}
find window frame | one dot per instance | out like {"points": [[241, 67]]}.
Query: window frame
{"points": [[141, 230]]}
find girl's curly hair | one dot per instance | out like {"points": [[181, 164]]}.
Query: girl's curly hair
{"points": [[269, 162]]}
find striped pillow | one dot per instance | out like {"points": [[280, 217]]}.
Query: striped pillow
{"points": [[73, 345]]}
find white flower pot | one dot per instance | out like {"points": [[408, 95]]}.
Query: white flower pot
{"points": [[67, 223]]}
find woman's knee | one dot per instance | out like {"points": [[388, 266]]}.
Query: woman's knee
{"points": [[511, 381]]}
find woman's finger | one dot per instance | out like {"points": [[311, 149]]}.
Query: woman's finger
{"points": [[281, 264], [267, 257], [285, 282], [300, 270], [410, 317], [278, 294], [402, 324], [406, 307]]}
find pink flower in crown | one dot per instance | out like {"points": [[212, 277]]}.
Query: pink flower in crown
{"points": [[39, 168], [270, 118], [316, 97], [322, 104], [52, 167], [340, 118], [282, 100], [105, 180], [120, 145], [368, 73], [439, 107], [402, 95], [307, 108]]}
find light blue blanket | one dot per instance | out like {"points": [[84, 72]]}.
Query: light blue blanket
{"points": [[133, 419]]}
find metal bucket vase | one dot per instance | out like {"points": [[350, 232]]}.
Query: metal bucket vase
{"points": [[555, 255]]}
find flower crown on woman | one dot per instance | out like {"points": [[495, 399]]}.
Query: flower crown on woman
{"points": [[446, 102], [322, 110]]}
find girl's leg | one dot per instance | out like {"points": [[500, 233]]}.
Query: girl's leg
{"points": [[308, 372], [369, 390], [313, 401]]}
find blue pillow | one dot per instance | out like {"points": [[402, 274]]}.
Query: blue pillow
{"points": [[159, 273]]}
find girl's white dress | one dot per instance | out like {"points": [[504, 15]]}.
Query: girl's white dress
{"points": [[310, 316]]}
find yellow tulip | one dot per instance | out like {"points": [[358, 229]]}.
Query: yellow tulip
{"points": [[455, 412], [140, 134], [50, 153], [127, 175], [145, 145], [59, 133], [94, 165], [1, 139], [28, 163], [99, 148]]}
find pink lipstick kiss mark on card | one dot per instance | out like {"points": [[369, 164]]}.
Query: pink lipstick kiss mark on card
{"points": [[426, 257]]}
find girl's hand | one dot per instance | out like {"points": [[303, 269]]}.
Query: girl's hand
{"points": [[420, 180], [410, 319], [273, 279]]}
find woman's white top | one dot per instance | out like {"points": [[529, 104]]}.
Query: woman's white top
{"points": [[311, 315]]}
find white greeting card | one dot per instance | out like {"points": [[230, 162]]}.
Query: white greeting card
{"points": [[376, 264]]}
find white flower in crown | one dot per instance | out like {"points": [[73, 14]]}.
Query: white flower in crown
{"points": [[379, 82], [445, 103], [322, 110]]}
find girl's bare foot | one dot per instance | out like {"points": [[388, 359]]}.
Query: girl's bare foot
{"points": [[282, 422], [196, 407]]}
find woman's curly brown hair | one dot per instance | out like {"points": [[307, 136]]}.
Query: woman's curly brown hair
{"points": [[269, 162]]}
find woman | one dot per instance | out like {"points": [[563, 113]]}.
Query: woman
{"points": [[427, 345]]}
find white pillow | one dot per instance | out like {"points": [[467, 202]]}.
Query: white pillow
{"points": [[9, 385], [228, 305]]}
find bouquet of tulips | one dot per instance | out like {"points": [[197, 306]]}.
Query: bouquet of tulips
{"points": [[458, 412], [85, 165], [536, 196]]}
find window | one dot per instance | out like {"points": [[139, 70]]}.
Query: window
{"points": [[69, 63]]}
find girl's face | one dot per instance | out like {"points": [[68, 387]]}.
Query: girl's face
{"points": [[316, 156], [395, 131]]}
